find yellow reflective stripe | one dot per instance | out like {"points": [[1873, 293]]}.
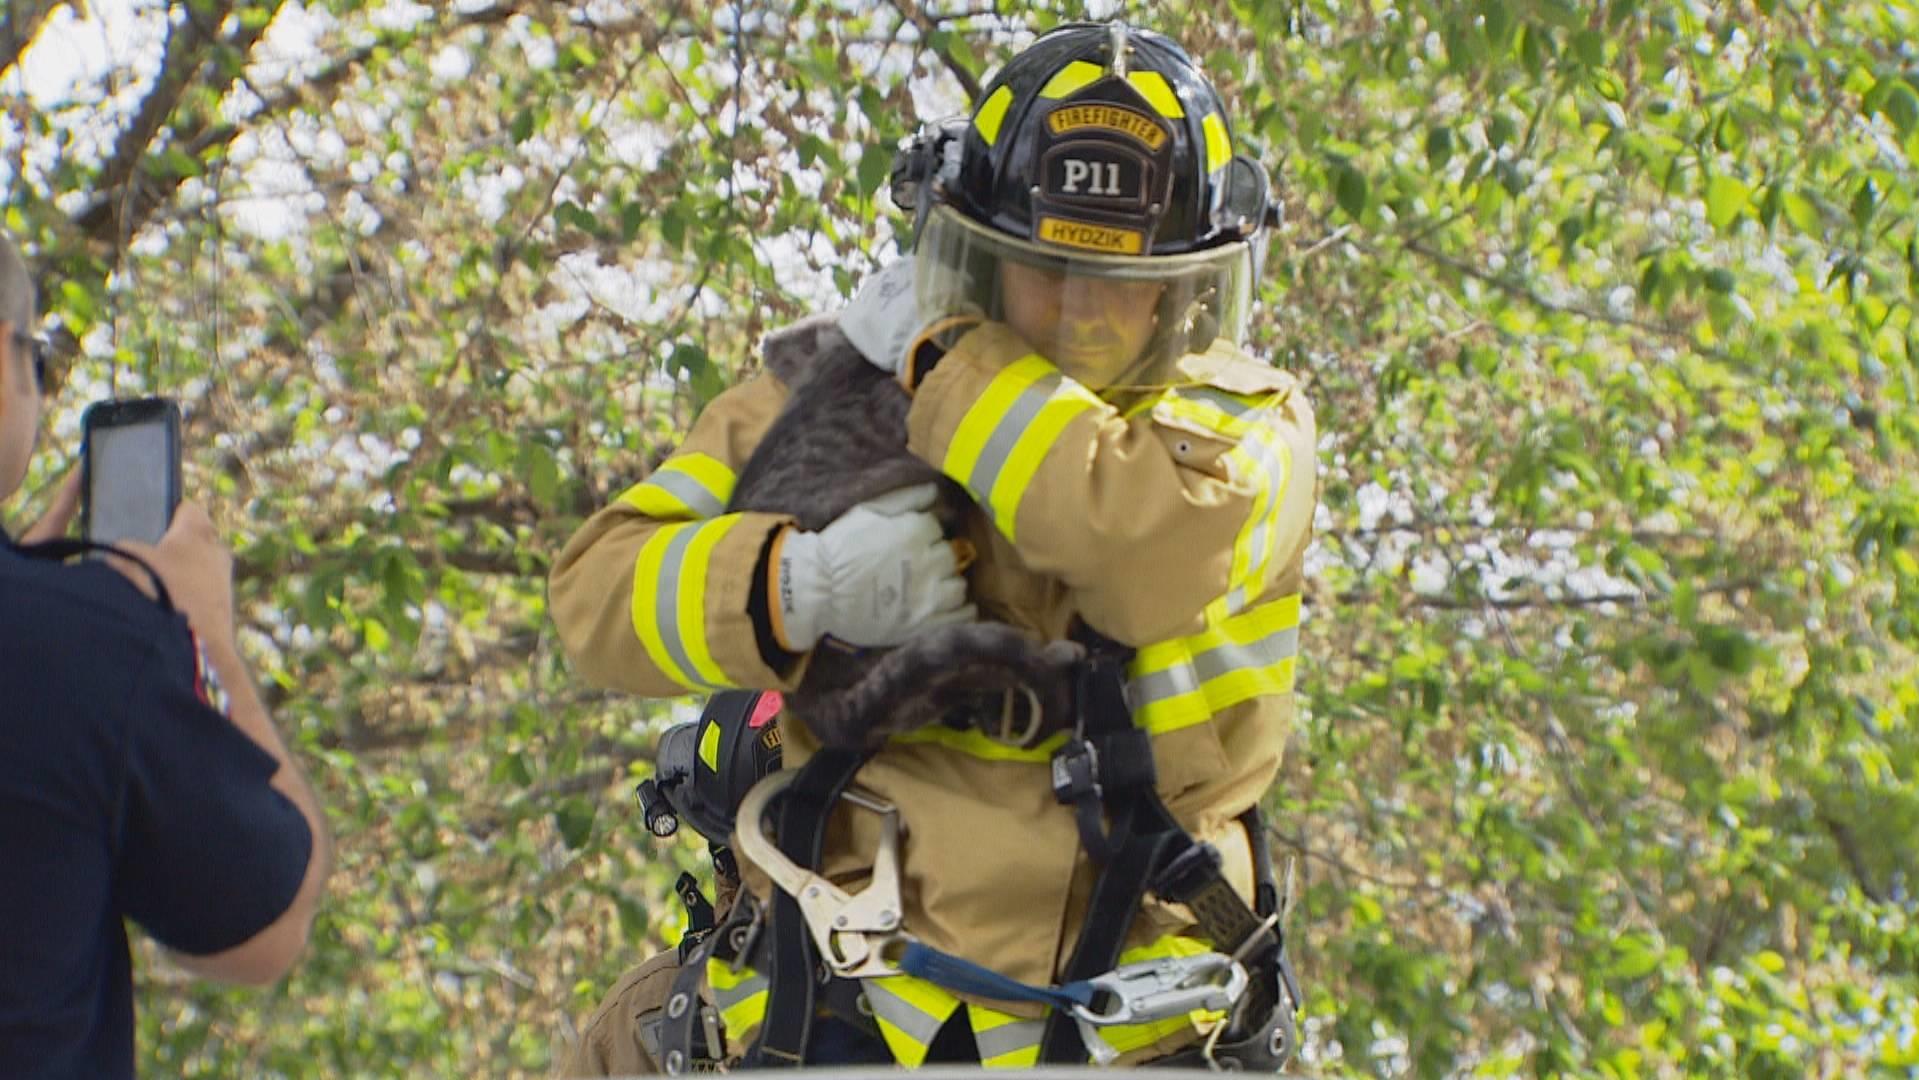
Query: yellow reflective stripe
{"points": [[1205, 414], [699, 555], [1006, 434], [980, 745], [741, 997], [1262, 460], [1005, 1041], [1070, 78], [689, 487], [1249, 559], [1265, 460], [710, 747], [669, 601], [1216, 410], [1153, 87], [1062, 406], [1186, 681], [990, 114], [910, 1012], [1219, 145], [648, 589], [976, 427]]}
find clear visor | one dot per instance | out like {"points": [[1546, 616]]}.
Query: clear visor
{"points": [[1112, 322]]}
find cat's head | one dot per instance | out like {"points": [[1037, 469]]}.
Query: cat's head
{"points": [[792, 352]]}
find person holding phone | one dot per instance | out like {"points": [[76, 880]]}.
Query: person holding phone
{"points": [[132, 786]]}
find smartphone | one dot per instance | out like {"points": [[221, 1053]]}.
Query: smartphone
{"points": [[130, 469]]}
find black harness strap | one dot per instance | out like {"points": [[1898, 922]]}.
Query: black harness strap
{"points": [[1105, 771], [686, 1043], [787, 956], [1108, 766]]}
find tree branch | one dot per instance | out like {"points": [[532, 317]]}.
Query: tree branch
{"points": [[1517, 603], [187, 49], [19, 28], [1848, 844], [1514, 288], [913, 13], [119, 214]]}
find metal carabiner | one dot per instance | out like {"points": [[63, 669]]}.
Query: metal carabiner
{"points": [[853, 930], [1159, 989]]}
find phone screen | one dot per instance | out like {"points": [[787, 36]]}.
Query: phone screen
{"points": [[130, 476]]}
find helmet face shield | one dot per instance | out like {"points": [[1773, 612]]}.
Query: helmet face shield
{"points": [[1110, 322]]}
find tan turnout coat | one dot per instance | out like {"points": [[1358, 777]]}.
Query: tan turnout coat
{"points": [[1177, 524]]}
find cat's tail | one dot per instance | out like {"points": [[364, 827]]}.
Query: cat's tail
{"points": [[967, 669]]}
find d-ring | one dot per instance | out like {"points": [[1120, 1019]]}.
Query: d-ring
{"points": [[1008, 714]]}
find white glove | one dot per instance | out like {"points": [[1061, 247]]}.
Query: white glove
{"points": [[877, 575], [887, 324], [883, 317]]}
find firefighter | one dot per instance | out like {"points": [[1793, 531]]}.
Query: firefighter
{"points": [[1071, 328]]}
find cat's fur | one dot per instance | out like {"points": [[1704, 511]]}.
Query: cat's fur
{"points": [[839, 441]]}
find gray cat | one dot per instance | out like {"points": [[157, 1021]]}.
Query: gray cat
{"points": [[839, 441]]}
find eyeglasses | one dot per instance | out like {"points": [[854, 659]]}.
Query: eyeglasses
{"points": [[40, 350]]}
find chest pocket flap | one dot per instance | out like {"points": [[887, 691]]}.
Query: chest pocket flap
{"points": [[1220, 393]]}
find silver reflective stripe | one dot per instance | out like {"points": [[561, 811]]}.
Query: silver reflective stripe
{"points": [[1263, 653], [1008, 1038], [688, 490], [918, 1024], [666, 602], [1221, 400], [1236, 601], [726, 999], [1219, 660], [1162, 686], [1006, 434]]}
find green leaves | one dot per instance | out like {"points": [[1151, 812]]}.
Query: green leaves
{"points": [[1439, 147], [575, 819], [691, 362], [1726, 199], [1896, 98], [1349, 188], [876, 163]]}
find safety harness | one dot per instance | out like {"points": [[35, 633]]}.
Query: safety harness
{"points": [[1107, 769], [811, 944]]}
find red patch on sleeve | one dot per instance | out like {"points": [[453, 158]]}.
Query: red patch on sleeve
{"points": [[765, 709]]}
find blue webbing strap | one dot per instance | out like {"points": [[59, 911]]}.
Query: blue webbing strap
{"points": [[965, 977]]}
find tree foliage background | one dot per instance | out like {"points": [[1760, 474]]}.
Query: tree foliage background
{"points": [[1607, 758]]}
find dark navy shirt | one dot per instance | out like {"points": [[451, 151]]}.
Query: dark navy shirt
{"points": [[124, 794]]}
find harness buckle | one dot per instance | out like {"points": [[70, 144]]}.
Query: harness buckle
{"points": [[853, 930], [1187, 873], [1171, 986], [1076, 772]]}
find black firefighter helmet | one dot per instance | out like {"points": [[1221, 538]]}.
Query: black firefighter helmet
{"points": [[704, 768], [1101, 151]]}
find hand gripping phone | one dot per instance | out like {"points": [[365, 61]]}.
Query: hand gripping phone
{"points": [[130, 470]]}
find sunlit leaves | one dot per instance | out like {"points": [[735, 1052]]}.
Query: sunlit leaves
{"points": [[1726, 198], [1606, 313]]}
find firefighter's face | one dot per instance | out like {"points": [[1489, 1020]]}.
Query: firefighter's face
{"points": [[1093, 329]]}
